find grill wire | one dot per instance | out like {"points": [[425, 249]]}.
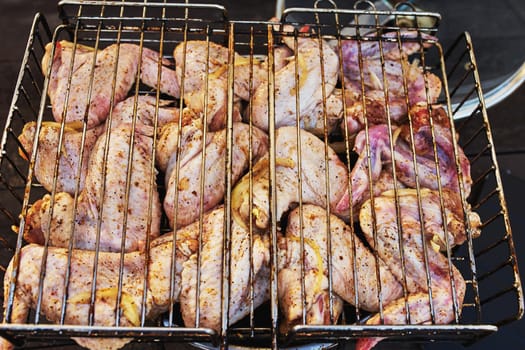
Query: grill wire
{"points": [[161, 27]]}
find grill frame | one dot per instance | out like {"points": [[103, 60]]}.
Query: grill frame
{"points": [[489, 174]]}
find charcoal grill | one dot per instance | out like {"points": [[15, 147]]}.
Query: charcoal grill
{"points": [[161, 26]]}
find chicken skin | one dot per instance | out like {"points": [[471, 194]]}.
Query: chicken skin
{"points": [[77, 292], [146, 110], [183, 187], [73, 157], [201, 59], [407, 84], [446, 288], [203, 67], [83, 81], [311, 167], [312, 224], [325, 115], [310, 76], [425, 170], [121, 213], [249, 271]]}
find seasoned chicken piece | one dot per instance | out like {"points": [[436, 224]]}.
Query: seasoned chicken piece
{"points": [[312, 167], [203, 66], [194, 56], [427, 174], [325, 115], [79, 287], [348, 272], [195, 59], [456, 224], [281, 57], [363, 174], [73, 156], [145, 110], [123, 213], [447, 292], [76, 90], [183, 187], [406, 83], [419, 305], [191, 137], [310, 77], [211, 102], [249, 268]]}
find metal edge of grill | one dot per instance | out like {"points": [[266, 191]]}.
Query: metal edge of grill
{"points": [[476, 258]]}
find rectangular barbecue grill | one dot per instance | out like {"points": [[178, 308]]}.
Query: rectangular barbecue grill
{"points": [[163, 26]]}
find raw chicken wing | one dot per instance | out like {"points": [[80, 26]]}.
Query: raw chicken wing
{"points": [[78, 296], [312, 69], [312, 223], [427, 174], [203, 69], [311, 167], [105, 206], [447, 286], [73, 156], [183, 187], [366, 76], [78, 91], [249, 271]]}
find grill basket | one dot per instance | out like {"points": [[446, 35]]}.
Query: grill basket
{"points": [[493, 295]]}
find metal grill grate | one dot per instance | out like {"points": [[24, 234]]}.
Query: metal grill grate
{"points": [[268, 181]]}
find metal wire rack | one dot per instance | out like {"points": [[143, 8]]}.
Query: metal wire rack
{"points": [[493, 292]]}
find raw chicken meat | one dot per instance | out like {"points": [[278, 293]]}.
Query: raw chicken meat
{"points": [[249, 268], [420, 239], [324, 116], [120, 211], [73, 156], [211, 103], [145, 110], [407, 84], [202, 59], [402, 157], [349, 272], [78, 92], [316, 162], [307, 80], [79, 290], [202, 67], [184, 196]]}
